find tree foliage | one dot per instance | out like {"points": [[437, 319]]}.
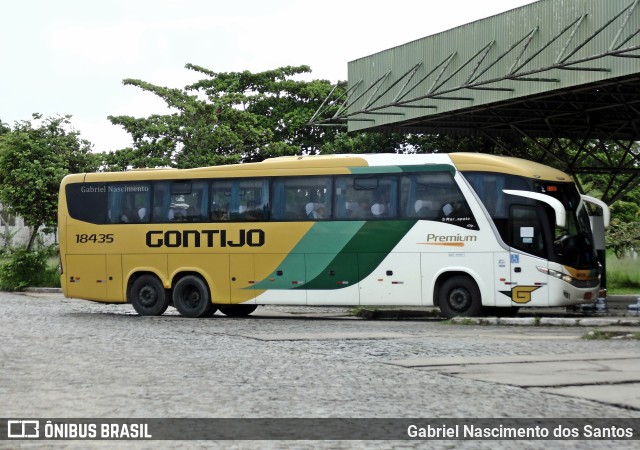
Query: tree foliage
{"points": [[4, 128], [623, 237], [33, 161], [225, 118], [24, 268]]}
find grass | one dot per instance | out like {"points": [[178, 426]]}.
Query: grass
{"points": [[51, 277], [623, 275], [606, 335]]}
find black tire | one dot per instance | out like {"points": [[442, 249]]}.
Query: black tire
{"points": [[459, 296], [500, 311], [191, 297], [210, 312], [237, 310], [147, 295]]}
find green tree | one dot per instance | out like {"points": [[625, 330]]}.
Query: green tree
{"points": [[4, 128], [622, 237], [33, 161], [225, 118]]}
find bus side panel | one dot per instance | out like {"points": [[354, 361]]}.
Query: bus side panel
{"points": [[281, 276], [503, 283], [529, 285], [213, 267], [156, 264], [332, 279], [396, 281], [86, 277], [242, 278], [115, 287]]}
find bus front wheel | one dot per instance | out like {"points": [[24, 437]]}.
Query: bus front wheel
{"points": [[459, 296], [147, 295], [191, 297]]}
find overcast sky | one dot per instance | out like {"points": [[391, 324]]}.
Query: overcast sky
{"points": [[70, 56]]}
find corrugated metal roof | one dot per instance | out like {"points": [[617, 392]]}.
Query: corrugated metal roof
{"points": [[457, 80]]}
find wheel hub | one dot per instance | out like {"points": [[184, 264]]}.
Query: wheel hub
{"points": [[193, 298], [459, 299], [148, 296]]}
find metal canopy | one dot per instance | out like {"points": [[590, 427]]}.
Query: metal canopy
{"points": [[565, 64], [602, 110], [550, 69]]}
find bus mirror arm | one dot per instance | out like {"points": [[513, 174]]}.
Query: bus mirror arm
{"points": [[606, 213], [558, 207]]}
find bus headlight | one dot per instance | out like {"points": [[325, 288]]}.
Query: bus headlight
{"points": [[554, 273]]}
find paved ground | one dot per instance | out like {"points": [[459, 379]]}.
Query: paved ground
{"points": [[71, 358]]}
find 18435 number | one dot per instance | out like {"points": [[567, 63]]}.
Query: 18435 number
{"points": [[94, 238]]}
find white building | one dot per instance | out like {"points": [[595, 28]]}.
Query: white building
{"points": [[14, 233]]}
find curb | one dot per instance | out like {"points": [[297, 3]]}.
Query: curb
{"points": [[548, 321], [43, 290]]}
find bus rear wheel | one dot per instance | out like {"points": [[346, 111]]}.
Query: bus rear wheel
{"points": [[147, 295], [191, 297], [237, 310], [459, 296]]}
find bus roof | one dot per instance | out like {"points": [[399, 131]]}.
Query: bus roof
{"points": [[481, 162], [325, 164]]}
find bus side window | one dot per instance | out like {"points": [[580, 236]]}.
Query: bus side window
{"points": [[188, 201], [87, 201], [253, 199], [129, 203], [435, 196], [221, 200], [366, 197], [198, 202], [161, 202], [301, 198], [526, 229], [421, 195], [240, 200]]}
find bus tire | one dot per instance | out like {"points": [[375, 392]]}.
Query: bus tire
{"points": [[191, 297], [147, 295], [210, 312], [459, 296], [237, 310]]}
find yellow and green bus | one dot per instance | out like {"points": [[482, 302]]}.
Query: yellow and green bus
{"points": [[468, 233]]}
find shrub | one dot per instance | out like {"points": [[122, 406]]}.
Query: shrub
{"points": [[23, 269]]}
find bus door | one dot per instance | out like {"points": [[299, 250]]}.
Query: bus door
{"points": [[527, 256]]}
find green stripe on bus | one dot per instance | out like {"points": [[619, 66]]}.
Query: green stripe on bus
{"points": [[336, 255], [318, 247], [371, 170], [364, 252]]}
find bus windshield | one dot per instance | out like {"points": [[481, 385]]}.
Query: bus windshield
{"points": [[529, 225]]}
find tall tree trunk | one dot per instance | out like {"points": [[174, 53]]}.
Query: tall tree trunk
{"points": [[32, 238]]}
